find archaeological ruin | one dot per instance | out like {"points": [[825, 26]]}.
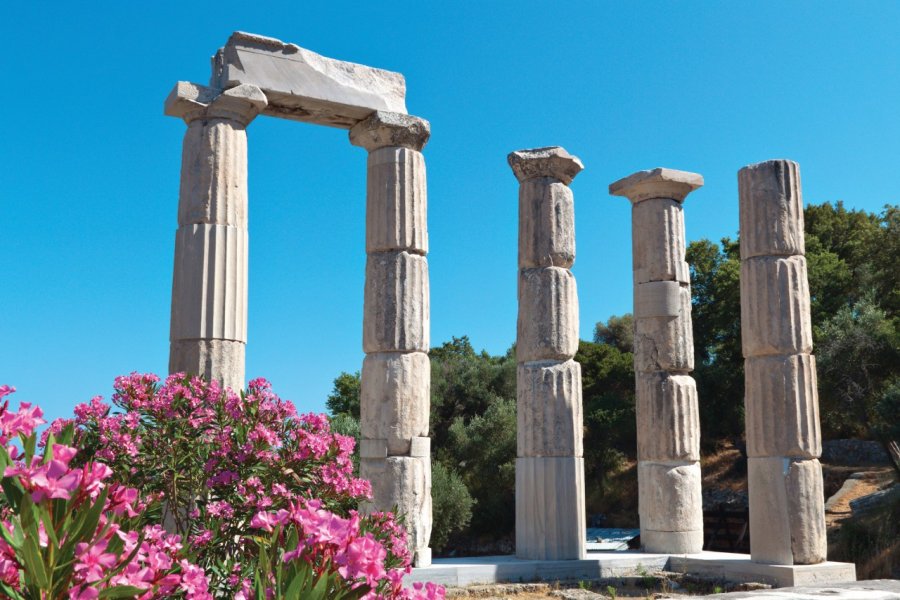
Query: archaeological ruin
{"points": [[254, 75]]}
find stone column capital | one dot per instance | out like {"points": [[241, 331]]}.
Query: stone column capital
{"points": [[661, 183], [382, 129], [191, 101], [552, 161]]}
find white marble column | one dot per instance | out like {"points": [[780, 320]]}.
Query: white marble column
{"points": [[395, 395], [550, 511], [668, 425], [209, 286], [787, 512]]}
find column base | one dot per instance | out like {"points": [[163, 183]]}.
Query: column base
{"points": [[672, 542], [550, 512]]}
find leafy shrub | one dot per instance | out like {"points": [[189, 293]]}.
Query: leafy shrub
{"points": [[452, 505]]}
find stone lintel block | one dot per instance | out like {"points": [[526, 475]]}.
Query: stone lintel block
{"points": [[782, 406], [669, 496], [550, 509], [771, 207], [304, 86], [665, 343], [787, 511], [775, 308], [657, 241], [396, 315], [657, 183], [668, 419], [658, 299], [209, 289], [395, 397], [672, 542], [552, 161], [213, 174], [546, 224], [220, 360], [549, 411], [190, 101], [548, 315], [373, 448], [396, 201], [403, 482], [390, 129]]}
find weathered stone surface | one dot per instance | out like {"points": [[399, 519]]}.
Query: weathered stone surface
{"points": [[672, 542], [657, 241], [395, 393], [552, 161], [771, 209], [190, 101], [787, 515], [782, 406], [221, 360], [389, 129], [775, 309], [548, 315], [214, 174], [546, 224], [668, 417], [665, 343], [209, 289], [396, 201], [420, 446], [404, 482], [373, 448], [548, 409], [550, 499], [658, 299], [304, 86], [397, 310], [657, 183], [669, 497]]}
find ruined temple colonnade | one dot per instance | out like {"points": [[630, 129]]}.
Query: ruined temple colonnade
{"points": [[256, 76]]}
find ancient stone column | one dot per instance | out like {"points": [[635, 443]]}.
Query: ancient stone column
{"points": [[395, 397], [550, 512], [787, 513], [209, 287], [668, 423]]}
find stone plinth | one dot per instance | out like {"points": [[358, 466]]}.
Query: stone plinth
{"points": [[209, 286], [668, 424], [787, 515], [396, 374], [550, 512]]}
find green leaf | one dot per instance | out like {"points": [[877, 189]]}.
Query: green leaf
{"points": [[122, 591], [34, 563]]}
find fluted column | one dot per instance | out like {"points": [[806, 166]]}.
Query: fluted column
{"points": [[550, 511], [668, 424], [396, 376], [787, 513], [208, 331]]}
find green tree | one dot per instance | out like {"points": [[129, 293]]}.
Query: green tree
{"points": [[451, 505], [617, 332], [344, 396]]}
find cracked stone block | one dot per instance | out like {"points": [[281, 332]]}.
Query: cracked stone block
{"points": [[665, 343], [771, 209], [657, 241], [549, 412], [669, 496], [395, 396], [668, 418], [397, 200], [782, 406], [787, 511], [550, 512], [775, 309], [546, 224], [396, 316], [548, 315]]}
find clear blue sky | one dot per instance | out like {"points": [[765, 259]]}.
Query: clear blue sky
{"points": [[89, 166]]}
